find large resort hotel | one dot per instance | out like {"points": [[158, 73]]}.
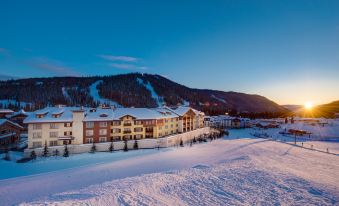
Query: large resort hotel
{"points": [[77, 125]]}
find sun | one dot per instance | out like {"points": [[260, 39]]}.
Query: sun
{"points": [[308, 105]]}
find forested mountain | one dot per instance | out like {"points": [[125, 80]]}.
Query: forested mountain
{"points": [[127, 90]]}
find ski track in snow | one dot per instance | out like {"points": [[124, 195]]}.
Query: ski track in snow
{"points": [[154, 95], [219, 99], [66, 95], [222, 172], [96, 97]]}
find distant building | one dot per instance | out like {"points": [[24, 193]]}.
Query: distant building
{"points": [[226, 121], [18, 117], [9, 133], [4, 112]]}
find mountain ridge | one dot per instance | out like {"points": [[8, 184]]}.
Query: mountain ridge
{"points": [[131, 90]]}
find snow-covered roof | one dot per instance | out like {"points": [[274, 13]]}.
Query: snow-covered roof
{"points": [[49, 115], [64, 114], [144, 113], [99, 114], [21, 111], [6, 111], [3, 121]]}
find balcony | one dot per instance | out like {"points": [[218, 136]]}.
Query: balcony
{"points": [[127, 124], [127, 131]]}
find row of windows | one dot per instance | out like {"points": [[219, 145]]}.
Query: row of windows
{"points": [[37, 135], [52, 125]]}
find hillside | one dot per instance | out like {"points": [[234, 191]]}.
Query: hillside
{"points": [[127, 90], [324, 110]]}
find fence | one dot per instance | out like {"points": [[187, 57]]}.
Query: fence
{"points": [[168, 141]]}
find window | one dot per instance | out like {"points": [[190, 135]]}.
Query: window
{"points": [[160, 134], [68, 124], [138, 136], [102, 131], [138, 122], [172, 120], [53, 143], [53, 126], [166, 127], [36, 135], [89, 124], [102, 139], [138, 129], [103, 124], [160, 128], [37, 144], [171, 125], [89, 140], [116, 123], [116, 138], [68, 133], [53, 134], [89, 133], [115, 130], [36, 126]]}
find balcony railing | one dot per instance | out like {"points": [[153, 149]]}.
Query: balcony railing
{"points": [[127, 124], [127, 132]]}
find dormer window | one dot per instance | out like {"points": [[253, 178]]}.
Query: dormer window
{"points": [[56, 115], [103, 115], [39, 116]]}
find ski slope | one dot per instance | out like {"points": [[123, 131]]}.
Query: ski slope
{"points": [[159, 100], [97, 98]]}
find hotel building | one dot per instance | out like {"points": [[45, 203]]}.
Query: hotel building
{"points": [[74, 125]]}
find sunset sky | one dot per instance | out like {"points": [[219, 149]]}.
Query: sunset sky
{"points": [[287, 51]]}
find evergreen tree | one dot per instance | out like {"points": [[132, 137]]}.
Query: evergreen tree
{"points": [[33, 155], [66, 153], [126, 146], [181, 143], [136, 146], [45, 152], [93, 148], [111, 147]]}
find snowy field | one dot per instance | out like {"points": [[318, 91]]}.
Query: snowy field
{"points": [[229, 171]]}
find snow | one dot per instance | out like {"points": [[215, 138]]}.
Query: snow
{"points": [[155, 96], [96, 97], [6, 102], [229, 171], [65, 93], [219, 99]]}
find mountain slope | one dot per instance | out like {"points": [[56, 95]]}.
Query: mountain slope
{"points": [[324, 110], [129, 90]]}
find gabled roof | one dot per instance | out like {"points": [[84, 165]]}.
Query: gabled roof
{"points": [[3, 121], [20, 112], [6, 111]]}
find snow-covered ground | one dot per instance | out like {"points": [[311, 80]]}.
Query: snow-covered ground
{"points": [[229, 171], [159, 100], [96, 97], [332, 145]]}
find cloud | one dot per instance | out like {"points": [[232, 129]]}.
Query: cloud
{"points": [[118, 58], [2, 50], [53, 66], [127, 66]]}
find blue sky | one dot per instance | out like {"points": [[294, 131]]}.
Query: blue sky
{"points": [[287, 51]]}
